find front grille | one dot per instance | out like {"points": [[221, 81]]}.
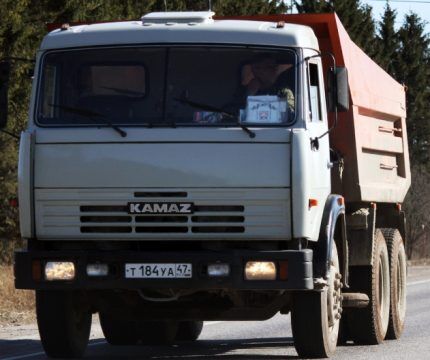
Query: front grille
{"points": [[206, 219], [219, 214]]}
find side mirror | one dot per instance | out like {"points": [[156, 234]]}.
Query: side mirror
{"points": [[342, 89], [4, 85], [338, 92]]}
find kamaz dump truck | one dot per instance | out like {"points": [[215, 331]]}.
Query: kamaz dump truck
{"points": [[183, 168]]}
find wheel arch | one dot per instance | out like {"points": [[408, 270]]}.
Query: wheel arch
{"points": [[333, 228]]}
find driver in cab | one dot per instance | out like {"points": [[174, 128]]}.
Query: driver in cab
{"points": [[264, 76]]}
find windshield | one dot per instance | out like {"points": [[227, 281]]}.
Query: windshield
{"points": [[164, 86]]}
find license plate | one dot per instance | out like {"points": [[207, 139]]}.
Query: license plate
{"points": [[158, 271]]}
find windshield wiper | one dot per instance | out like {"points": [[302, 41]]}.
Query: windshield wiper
{"points": [[208, 107], [90, 114]]}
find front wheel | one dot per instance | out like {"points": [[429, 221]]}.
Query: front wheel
{"points": [[315, 316], [64, 322]]}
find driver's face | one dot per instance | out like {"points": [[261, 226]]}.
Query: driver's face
{"points": [[265, 71]]}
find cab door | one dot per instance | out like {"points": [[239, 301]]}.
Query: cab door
{"points": [[319, 150]]}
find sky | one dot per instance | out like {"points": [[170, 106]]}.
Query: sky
{"points": [[403, 7]]}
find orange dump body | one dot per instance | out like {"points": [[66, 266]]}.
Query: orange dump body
{"points": [[371, 136]]}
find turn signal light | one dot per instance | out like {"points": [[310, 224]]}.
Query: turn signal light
{"points": [[313, 202], [260, 270]]}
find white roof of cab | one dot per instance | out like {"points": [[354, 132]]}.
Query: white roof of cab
{"points": [[190, 27]]}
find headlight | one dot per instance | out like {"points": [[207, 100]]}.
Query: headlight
{"points": [[260, 270], [59, 270]]}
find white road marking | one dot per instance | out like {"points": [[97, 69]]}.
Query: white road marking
{"points": [[212, 322], [419, 282]]}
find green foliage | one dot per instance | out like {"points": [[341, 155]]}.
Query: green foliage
{"points": [[356, 17], [388, 42], [14, 41], [414, 71]]}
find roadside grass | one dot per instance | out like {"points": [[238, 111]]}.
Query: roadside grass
{"points": [[16, 306]]}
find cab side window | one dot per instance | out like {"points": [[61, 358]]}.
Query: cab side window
{"points": [[314, 93]]}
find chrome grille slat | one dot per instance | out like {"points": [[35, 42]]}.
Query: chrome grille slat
{"points": [[218, 219], [219, 208], [161, 195], [105, 219], [217, 229], [103, 208], [161, 219]]}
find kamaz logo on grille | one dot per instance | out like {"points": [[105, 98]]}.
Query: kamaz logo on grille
{"points": [[160, 208]]}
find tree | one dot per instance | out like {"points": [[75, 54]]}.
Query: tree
{"points": [[13, 42], [356, 17], [418, 218], [388, 42], [413, 70]]}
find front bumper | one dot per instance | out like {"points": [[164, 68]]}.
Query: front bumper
{"points": [[29, 263]]}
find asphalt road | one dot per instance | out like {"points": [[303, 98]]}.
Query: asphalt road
{"points": [[266, 340]]}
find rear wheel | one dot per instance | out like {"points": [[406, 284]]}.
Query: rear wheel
{"points": [[315, 316], [158, 332], [369, 325], [118, 331], [189, 330], [397, 259], [64, 322]]}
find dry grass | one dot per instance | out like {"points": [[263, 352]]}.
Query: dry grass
{"points": [[16, 306], [419, 262]]}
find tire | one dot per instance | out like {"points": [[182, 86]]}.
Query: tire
{"points": [[64, 323], [158, 332], [117, 331], [397, 258], [315, 316], [189, 330], [368, 326]]}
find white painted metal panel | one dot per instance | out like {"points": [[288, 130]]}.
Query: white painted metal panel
{"points": [[168, 165], [221, 32], [25, 182]]}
